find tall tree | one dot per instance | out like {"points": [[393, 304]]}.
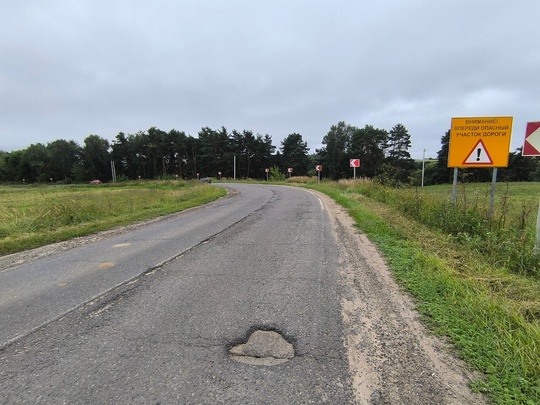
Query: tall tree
{"points": [[520, 168], [12, 169], [442, 173], [3, 165], [294, 154], [335, 150], [400, 165], [180, 154], [192, 151], [124, 158], [214, 150], [157, 151], [35, 163], [95, 159], [64, 156], [369, 144], [263, 156], [244, 145], [399, 142]]}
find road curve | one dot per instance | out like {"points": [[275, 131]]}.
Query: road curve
{"points": [[38, 291], [270, 296]]}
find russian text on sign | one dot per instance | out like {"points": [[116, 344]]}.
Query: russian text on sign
{"points": [[466, 132]]}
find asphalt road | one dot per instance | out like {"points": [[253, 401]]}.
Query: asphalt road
{"points": [[149, 316]]}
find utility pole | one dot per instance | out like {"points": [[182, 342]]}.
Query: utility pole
{"points": [[423, 166]]}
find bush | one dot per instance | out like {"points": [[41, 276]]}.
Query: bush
{"points": [[275, 174]]}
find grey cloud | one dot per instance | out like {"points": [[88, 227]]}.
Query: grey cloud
{"points": [[69, 69]]}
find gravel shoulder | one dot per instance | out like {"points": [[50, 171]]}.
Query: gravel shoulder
{"points": [[393, 359]]}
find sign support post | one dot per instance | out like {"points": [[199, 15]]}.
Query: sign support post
{"points": [[354, 163], [454, 186], [492, 196], [423, 166], [318, 168], [536, 250]]}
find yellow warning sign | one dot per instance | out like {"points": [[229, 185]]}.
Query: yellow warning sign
{"points": [[480, 142]]}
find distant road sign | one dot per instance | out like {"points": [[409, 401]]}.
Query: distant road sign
{"points": [[355, 162], [318, 168], [531, 147], [480, 142], [289, 169]]}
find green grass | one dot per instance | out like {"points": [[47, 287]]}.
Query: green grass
{"points": [[489, 312], [514, 197], [474, 281], [506, 238], [33, 216]]}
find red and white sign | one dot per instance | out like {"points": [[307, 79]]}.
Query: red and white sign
{"points": [[531, 147], [478, 156], [318, 168], [266, 170], [289, 169], [355, 162]]}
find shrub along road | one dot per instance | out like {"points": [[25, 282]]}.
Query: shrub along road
{"points": [[172, 312]]}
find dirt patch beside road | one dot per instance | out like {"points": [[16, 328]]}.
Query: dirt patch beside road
{"points": [[393, 359]]}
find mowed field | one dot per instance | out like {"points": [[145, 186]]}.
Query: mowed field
{"points": [[32, 216]]}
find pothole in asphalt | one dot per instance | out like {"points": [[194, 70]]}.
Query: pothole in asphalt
{"points": [[263, 348]]}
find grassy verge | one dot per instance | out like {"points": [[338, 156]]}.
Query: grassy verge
{"points": [[35, 216], [468, 280], [490, 313]]}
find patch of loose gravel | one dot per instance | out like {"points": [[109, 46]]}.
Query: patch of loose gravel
{"points": [[393, 359]]}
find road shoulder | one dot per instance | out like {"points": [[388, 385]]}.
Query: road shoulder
{"points": [[392, 357]]}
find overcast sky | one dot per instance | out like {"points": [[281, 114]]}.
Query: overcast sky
{"points": [[71, 68]]}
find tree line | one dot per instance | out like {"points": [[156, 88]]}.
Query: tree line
{"points": [[155, 153]]}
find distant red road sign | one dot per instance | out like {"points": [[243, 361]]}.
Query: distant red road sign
{"points": [[266, 170], [531, 147], [355, 162], [289, 169], [318, 168]]}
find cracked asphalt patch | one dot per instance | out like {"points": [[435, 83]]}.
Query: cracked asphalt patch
{"points": [[263, 348]]}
